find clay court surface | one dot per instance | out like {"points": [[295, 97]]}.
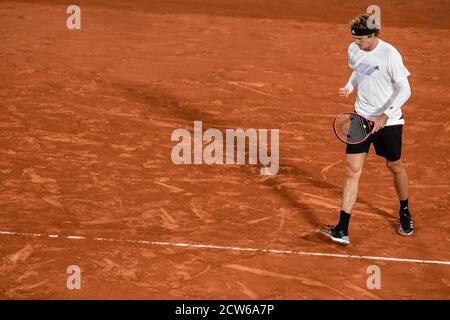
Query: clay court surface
{"points": [[86, 119]]}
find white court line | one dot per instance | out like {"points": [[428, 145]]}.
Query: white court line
{"points": [[229, 248]]}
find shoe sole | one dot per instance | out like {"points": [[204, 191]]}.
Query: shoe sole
{"points": [[403, 232], [327, 234]]}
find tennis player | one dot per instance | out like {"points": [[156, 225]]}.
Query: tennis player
{"points": [[381, 82]]}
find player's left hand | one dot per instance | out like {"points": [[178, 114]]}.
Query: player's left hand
{"points": [[379, 122]]}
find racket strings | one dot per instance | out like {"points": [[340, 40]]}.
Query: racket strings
{"points": [[359, 132], [352, 128], [360, 127]]}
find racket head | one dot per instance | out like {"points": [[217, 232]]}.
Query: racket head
{"points": [[352, 128]]}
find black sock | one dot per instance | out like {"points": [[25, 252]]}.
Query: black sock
{"points": [[404, 205], [344, 220]]}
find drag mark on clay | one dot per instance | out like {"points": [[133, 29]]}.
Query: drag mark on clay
{"points": [[238, 84], [168, 216], [171, 188], [264, 219], [266, 273], [324, 171], [247, 291]]}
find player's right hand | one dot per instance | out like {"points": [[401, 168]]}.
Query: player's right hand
{"points": [[344, 92]]}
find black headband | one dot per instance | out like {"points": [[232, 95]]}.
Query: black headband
{"points": [[362, 32]]}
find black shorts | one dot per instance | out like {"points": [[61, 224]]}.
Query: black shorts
{"points": [[387, 143]]}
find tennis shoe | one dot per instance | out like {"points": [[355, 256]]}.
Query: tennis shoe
{"points": [[336, 234], [406, 227]]}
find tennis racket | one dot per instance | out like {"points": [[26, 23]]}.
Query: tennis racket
{"points": [[352, 128]]}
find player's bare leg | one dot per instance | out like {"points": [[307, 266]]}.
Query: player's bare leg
{"points": [[401, 186], [353, 170], [400, 178]]}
